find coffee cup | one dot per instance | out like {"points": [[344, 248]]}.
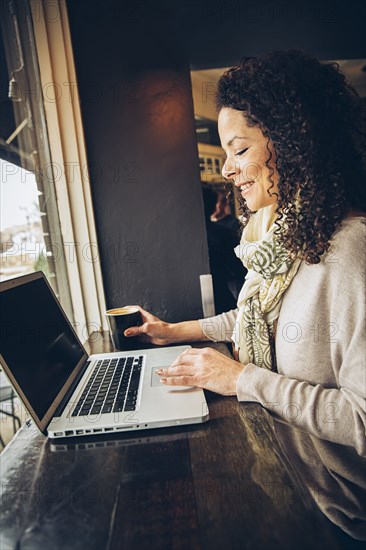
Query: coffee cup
{"points": [[119, 319]]}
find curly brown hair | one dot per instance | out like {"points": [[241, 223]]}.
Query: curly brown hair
{"points": [[313, 118]]}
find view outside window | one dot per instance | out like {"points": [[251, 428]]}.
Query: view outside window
{"points": [[30, 233], [21, 234]]}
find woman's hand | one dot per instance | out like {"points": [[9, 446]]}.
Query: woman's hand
{"points": [[152, 330], [205, 368], [155, 331]]}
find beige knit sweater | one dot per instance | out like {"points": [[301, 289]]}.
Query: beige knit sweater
{"points": [[320, 385]]}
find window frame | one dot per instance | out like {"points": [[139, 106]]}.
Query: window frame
{"points": [[69, 158]]}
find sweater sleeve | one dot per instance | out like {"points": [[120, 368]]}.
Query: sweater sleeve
{"points": [[220, 327], [333, 414]]}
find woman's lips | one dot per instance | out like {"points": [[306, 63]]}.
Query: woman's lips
{"points": [[245, 188]]}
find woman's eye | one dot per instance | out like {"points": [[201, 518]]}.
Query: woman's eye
{"points": [[239, 153]]}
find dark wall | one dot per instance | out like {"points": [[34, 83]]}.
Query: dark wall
{"points": [[138, 118], [217, 33]]}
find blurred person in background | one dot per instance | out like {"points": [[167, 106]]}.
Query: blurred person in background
{"points": [[223, 216], [227, 270]]}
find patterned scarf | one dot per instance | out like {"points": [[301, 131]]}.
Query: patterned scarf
{"points": [[270, 272]]}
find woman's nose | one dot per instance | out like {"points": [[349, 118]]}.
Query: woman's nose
{"points": [[230, 171]]}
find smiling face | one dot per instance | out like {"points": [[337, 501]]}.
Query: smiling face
{"points": [[247, 153]]}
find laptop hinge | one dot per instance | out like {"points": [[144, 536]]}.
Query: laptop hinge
{"points": [[60, 409]]}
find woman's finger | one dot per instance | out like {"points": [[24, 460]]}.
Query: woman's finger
{"points": [[184, 360], [179, 370], [189, 356], [135, 331], [178, 381]]}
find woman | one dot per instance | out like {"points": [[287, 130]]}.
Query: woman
{"points": [[289, 126]]}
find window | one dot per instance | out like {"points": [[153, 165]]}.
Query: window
{"points": [[30, 228], [41, 137]]}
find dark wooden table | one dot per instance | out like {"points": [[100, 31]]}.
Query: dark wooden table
{"points": [[224, 484]]}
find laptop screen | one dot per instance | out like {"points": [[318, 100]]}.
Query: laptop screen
{"points": [[37, 343]]}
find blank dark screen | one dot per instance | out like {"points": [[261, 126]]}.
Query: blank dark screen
{"points": [[37, 343]]}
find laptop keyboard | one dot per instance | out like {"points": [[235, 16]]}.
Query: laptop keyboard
{"points": [[112, 387]]}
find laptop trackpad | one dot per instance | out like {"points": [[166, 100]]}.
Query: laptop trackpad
{"points": [[155, 381], [155, 378]]}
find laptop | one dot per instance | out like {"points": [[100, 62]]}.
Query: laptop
{"points": [[68, 393]]}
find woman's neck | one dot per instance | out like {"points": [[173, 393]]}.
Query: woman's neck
{"points": [[355, 213]]}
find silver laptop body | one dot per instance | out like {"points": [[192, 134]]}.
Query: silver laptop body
{"points": [[54, 377]]}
